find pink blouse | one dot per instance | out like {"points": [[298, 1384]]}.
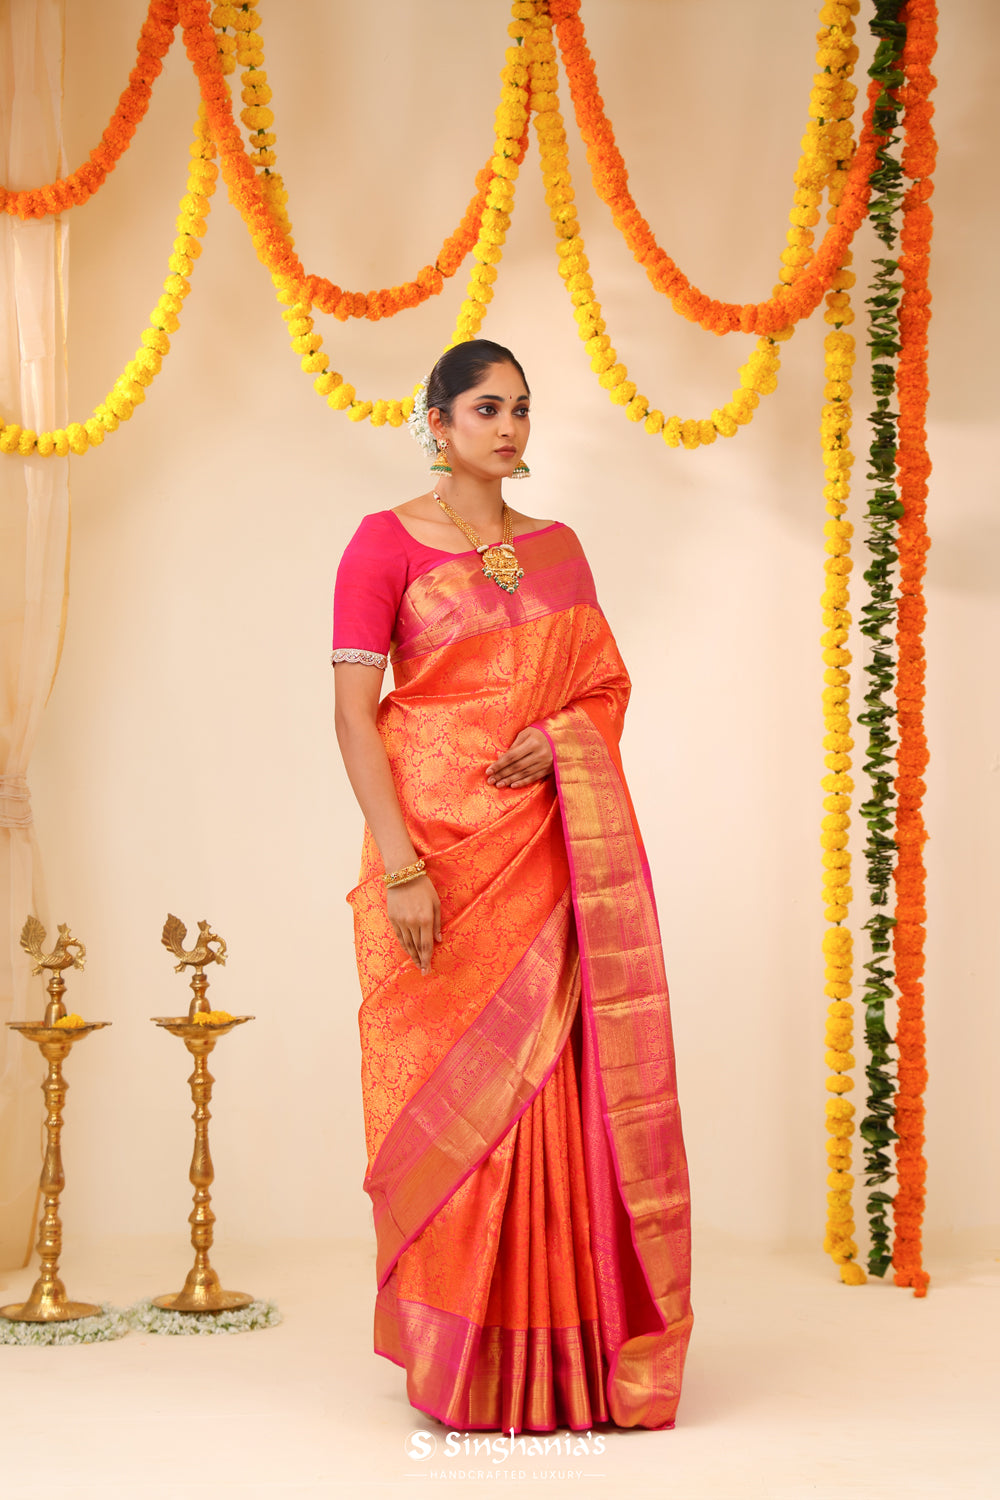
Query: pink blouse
{"points": [[379, 563]]}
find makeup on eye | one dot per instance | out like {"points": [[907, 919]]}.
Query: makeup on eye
{"points": [[488, 409]]}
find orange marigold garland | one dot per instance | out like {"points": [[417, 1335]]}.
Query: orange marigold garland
{"points": [[155, 38], [611, 183], [913, 468], [129, 390]]}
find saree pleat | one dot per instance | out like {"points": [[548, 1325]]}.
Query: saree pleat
{"points": [[540, 1363], [526, 1163]]}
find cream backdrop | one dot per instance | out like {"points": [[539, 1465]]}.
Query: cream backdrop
{"points": [[187, 759]]}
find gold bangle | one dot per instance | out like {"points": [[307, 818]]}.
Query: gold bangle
{"points": [[403, 876]]}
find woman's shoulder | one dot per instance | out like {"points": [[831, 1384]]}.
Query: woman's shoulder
{"points": [[376, 546], [379, 532], [528, 525], [377, 523]]}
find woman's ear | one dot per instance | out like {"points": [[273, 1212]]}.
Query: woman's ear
{"points": [[435, 424]]}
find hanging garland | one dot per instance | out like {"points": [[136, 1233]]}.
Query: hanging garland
{"points": [[260, 197], [56, 197], [827, 149], [155, 39], [273, 248], [838, 784], [129, 390], [913, 468], [877, 624], [610, 179]]}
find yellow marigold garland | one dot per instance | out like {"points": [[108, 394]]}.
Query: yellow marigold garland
{"points": [[826, 151], [245, 48], [129, 390], [838, 785]]}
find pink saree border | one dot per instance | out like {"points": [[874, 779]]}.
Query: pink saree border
{"points": [[478, 1091], [626, 1017], [557, 577], [440, 1352]]}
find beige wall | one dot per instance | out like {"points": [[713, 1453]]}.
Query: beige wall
{"points": [[187, 761]]}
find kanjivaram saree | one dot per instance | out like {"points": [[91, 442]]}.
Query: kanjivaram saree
{"points": [[526, 1162]]}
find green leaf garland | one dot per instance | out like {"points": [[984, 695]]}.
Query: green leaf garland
{"points": [[878, 620]]}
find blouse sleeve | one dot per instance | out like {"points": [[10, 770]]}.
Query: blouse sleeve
{"points": [[371, 581]]}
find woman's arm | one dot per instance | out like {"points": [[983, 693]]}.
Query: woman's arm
{"points": [[414, 909]]}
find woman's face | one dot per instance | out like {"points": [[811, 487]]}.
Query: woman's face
{"points": [[490, 424]]}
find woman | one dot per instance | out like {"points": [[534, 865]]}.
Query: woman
{"points": [[526, 1164]]}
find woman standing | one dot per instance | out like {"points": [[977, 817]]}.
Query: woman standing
{"points": [[526, 1163]]}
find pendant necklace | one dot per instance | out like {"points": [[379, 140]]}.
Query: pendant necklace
{"points": [[499, 558]]}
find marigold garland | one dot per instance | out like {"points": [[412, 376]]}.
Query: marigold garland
{"points": [[275, 251], [129, 390], [155, 38], [913, 468], [611, 184], [838, 784], [827, 149]]}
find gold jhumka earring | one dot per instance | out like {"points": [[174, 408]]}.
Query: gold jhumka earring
{"points": [[441, 464], [521, 470]]}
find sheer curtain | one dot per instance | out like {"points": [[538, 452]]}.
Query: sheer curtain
{"points": [[34, 555]]}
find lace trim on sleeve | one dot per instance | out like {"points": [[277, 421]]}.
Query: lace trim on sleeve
{"points": [[362, 658]]}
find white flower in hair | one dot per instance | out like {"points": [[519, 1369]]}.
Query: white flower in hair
{"points": [[418, 424]]}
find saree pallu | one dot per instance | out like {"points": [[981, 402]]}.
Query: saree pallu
{"points": [[526, 1162]]}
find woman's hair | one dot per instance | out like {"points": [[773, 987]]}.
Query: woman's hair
{"points": [[463, 366]]}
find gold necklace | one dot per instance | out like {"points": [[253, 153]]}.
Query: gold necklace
{"points": [[499, 558]]}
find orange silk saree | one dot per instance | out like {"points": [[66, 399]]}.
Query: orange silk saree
{"points": [[526, 1162]]}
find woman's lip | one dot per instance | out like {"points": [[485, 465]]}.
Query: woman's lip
{"points": [[505, 451]]}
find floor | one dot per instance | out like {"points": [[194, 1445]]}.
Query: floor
{"points": [[797, 1389]]}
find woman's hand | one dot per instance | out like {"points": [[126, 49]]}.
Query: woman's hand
{"points": [[415, 913], [529, 759]]}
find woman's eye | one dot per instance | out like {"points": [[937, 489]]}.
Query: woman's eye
{"points": [[487, 410], [523, 411]]}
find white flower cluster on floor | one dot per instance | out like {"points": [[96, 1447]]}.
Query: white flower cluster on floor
{"points": [[109, 1323], [143, 1317]]}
